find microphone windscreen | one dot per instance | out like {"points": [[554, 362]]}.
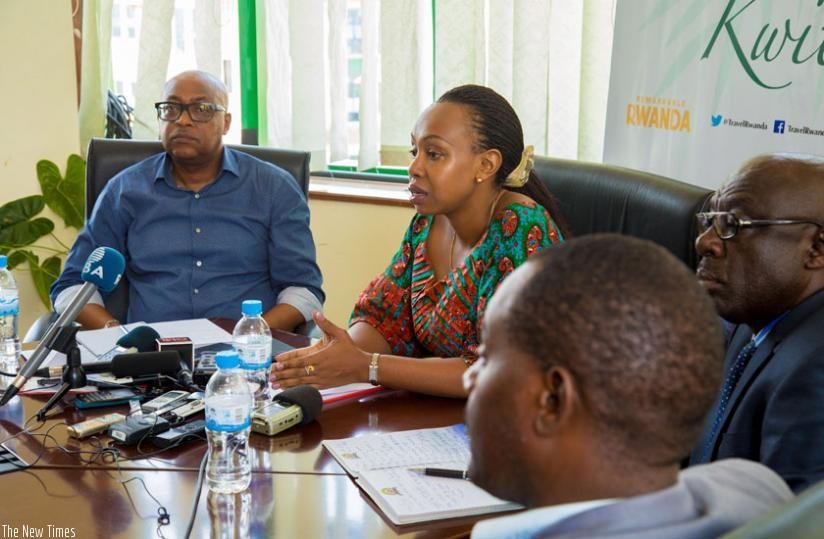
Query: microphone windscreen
{"points": [[104, 268], [307, 397], [144, 338], [145, 363]]}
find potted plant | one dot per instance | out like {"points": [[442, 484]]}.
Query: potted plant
{"points": [[22, 228]]}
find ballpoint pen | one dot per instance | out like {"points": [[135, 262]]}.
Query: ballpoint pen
{"points": [[441, 472]]}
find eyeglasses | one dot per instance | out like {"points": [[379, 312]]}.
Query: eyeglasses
{"points": [[727, 224], [169, 111]]}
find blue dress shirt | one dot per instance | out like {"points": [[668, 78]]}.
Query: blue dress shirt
{"points": [[199, 255]]}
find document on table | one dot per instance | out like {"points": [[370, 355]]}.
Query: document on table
{"points": [[200, 330], [380, 464]]}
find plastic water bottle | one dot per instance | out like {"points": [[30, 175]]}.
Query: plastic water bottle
{"points": [[9, 310], [228, 422], [253, 341]]}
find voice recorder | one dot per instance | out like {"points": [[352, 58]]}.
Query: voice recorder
{"points": [[273, 417]]}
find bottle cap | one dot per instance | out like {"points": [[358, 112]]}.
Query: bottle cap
{"points": [[227, 359], [251, 307], [4, 261]]}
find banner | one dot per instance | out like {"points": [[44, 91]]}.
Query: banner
{"points": [[697, 88]]}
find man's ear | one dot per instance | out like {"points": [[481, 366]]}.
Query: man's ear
{"points": [[815, 256], [558, 402], [227, 122]]}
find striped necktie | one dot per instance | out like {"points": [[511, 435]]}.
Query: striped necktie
{"points": [[730, 382]]}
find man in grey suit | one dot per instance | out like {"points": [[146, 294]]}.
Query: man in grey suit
{"points": [[762, 262], [599, 361]]}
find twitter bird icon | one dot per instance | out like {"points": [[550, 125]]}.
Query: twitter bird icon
{"points": [[716, 120]]}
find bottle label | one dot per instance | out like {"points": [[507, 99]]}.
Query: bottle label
{"points": [[9, 303], [228, 415], [255, 356]]}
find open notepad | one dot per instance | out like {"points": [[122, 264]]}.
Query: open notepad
{"points": [[380, 464]]}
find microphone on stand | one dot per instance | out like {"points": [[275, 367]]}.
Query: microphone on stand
{"points": [[103, 269], [144, 363], [140, 339]]}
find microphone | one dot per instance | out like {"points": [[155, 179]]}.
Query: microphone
{"points": [[140, 339], [141, 363], [184, 375], [103, 269], [297, 405]]}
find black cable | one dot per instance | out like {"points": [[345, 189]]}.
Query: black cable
{"points": [[163, 517], [118, 117]]}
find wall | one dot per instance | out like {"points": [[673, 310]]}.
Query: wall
{"points": [[355, 242], [39, 99]]}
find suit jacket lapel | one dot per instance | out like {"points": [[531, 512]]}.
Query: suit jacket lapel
{"points": [[763, 353]]}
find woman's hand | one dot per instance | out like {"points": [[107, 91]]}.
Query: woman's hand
{"points": [[334, 361]]}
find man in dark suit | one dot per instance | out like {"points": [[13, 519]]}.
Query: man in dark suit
{"points": [[598, 363], [762, 249]]}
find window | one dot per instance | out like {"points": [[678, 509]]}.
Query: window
{"points": [[221, 49]]}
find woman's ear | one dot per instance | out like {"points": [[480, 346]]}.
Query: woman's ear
{"points": [[557, 402], [489, 163]]}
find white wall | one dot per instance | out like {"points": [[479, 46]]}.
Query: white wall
{"points": [[39, 99], [354, 244]]}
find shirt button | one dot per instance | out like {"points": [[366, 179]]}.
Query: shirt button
{"points": [[198, 263], [197, 195], [196, 291], [197, 230]]}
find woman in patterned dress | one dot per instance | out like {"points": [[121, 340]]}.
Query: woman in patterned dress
{"points": [[481, 212]]}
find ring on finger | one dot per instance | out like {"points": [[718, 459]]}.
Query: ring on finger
{"points": [[310, 369]]}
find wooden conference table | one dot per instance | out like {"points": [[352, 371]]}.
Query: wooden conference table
{"points": [[297, 490]]}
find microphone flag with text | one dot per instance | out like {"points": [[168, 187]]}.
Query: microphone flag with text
{"points": [[102, 270]]}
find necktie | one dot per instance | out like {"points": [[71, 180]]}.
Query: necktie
{"points": [[730, 382]]}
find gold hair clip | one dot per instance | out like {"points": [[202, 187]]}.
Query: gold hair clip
{"points": [[519, 176]]}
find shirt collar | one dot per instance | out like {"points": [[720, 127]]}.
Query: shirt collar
{"points": [[528, 523], [163, 171], [759, 337]]}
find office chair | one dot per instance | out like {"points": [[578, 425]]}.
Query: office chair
{"points": [[595, 197], [106, 157]]}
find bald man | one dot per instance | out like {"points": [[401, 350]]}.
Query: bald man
{"points": [[203, 227], [599, 361], [762, 262]]}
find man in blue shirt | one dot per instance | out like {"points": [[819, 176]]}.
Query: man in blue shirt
{"points": [[202, 227]]}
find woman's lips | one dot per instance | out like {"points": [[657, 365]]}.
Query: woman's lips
{"points": [[416, 195]]}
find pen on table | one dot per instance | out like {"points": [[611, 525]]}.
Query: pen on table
{"points": [[441, 472]]}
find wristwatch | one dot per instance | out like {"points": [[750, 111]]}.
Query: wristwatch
{"points": [[373, 369]]}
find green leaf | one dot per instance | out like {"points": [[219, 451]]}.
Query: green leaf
{"points": [[21, 257], [25, 233], [65, 196], [43, 276], [20, 210]]}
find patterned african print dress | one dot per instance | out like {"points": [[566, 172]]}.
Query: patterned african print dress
{"points": [[420, 316]]}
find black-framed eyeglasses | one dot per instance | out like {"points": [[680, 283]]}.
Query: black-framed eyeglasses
{"points": [[727, 224], [170, 111]]}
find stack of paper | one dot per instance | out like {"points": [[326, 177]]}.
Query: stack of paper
{"points": [[380, 464]]}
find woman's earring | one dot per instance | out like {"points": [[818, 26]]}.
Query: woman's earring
{"points": [[479, 180]]}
